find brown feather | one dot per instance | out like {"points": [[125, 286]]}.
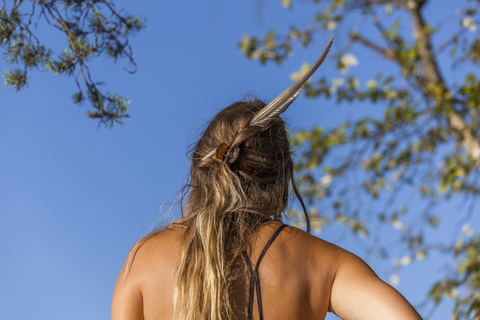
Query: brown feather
{"points": [[281, 103]]}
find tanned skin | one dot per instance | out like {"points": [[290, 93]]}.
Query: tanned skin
{"points": [[301, 277]]}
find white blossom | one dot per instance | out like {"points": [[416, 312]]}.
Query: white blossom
{"points": [[390, 93], [388, 9], [420, 255], [411, 4], [394, 279], [405, 261], [348, 60], [467, 229], [397, 224], [336, 82], [469, 24], [331, 25], [371, 84], [326, 181]]}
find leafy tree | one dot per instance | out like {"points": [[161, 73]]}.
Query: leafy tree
{"points": [[92, 28], [426, 119]]}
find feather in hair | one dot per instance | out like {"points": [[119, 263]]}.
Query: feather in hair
{"points": [[281, 103]]}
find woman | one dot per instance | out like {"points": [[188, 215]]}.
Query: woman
{"points": [[230, 256]]}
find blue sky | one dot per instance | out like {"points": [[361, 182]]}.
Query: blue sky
{"points": [[74, 197]]}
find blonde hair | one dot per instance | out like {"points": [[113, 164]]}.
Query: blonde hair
{"points": [[224, 205]]}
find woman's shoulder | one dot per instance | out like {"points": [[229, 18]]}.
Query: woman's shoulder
{"points": [[301, 249], [156, 253], [303, 241], [356, 291], [162, 251], [167, 246], [164, 244]]}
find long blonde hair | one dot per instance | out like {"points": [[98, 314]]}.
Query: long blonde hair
{"points": [[223, 206]]}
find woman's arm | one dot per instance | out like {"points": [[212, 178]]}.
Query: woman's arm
{"points": [[127, 303], [358, 293]]}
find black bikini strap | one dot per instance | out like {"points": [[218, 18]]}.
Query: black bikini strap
{"points": [[251, 290], [269, 243], [254, 283]]}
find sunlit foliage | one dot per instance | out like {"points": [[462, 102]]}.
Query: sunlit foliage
{"points": [[424, 138], [92, 28]]}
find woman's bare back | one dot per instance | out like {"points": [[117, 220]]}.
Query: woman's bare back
{"points": [[301, 277]]}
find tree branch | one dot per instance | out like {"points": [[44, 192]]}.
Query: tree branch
{"points": [[386, 53], [432, 75]]}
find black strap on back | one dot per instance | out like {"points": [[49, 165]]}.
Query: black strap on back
{"points": [[254, 283]]}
